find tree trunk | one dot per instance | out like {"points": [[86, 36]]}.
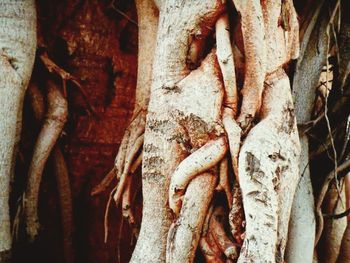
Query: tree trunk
{"points": [[17, 52]]}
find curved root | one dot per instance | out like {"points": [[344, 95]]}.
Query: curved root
{"points": [[184, 234], [216, 228], [198, 162], [55, 119]]}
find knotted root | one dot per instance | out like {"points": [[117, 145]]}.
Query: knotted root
{"points": [[185, 232], [198, 162], [55, 119]]}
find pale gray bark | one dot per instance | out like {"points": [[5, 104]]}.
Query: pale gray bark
{"points": [[17, 52]]}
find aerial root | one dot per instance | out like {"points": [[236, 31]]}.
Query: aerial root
{"points": [[55, 119], [129, 194], [128, 162], [65, 195], [107, 180], [198, 162], [135, 129], [65, 76]]}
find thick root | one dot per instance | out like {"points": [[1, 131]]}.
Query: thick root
{"points": [[344, 253], [198, 162], [184, 234], [51, 130], [253, 30], [302, 224], [269, 174], [344, 43], [226, 62]]}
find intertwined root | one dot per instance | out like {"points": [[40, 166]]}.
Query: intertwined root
{"points": [[198, 162]]}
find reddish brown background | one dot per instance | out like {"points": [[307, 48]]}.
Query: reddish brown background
{"points": [[93, 41]]}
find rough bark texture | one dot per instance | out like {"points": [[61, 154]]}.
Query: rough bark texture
{"points": [[171, 113], [17, 51], [269, 174]]}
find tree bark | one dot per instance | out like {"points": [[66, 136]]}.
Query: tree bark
{"points": [[17, 52]]}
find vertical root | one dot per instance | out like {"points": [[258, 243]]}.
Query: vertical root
{"points": [[333, 228], [226, 62], [253, 31], [128, 162], [55, 119], [65, 196]]}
